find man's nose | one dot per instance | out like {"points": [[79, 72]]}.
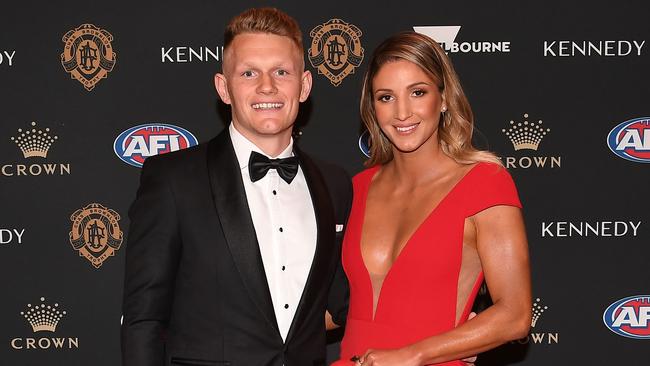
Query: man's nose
{"points": [[267, 84]]}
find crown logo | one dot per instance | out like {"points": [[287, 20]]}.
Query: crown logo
{"points": [[526, 135], [538, 309], [34, 142], [43, 317]]}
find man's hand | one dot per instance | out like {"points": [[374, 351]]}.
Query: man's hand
{"points": [[329, 322]]}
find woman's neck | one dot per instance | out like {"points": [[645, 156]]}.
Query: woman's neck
{"points": [[418, 167]]}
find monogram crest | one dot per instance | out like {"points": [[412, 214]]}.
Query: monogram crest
{"points": [[88, 55], [95, 233], [335, 49]]}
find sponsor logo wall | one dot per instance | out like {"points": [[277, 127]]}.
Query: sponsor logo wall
{"points": [[43, 319], [559, 92], [446, 36], [630, 140], [11, 236], [526, 137], [137, 143], [335, 49], [189, 54], [610, 48], [629, 317], [88, 55], [537, 335], [609, 228], [7, 58], [95, 233], [34, 144]]}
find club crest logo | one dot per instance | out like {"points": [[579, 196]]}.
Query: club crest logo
{"points": [[335, 49], [95, 233], [88, 55]]}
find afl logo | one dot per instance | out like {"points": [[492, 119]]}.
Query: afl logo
{"points": [[629, 317], [137, 143], [631, 140]]}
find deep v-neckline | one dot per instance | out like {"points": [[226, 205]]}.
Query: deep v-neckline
{"points": [[364, 204]]}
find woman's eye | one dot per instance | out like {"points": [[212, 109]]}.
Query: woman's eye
{"points": [[384, 98], [418, 92]]}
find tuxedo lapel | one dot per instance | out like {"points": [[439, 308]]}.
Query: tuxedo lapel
{"points": [[325, 222], [234, 215]]}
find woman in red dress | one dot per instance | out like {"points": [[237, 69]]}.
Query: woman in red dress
{"points": [[432, 218]]}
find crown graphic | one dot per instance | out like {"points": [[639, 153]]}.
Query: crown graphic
{"points": [[526, 135], [538, 309], [43, 317], [34, 142]]}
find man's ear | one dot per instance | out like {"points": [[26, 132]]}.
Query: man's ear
{"points": [[305, 87], [222, 87]]}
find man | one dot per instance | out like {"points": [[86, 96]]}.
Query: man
{"points": [[233, 252]]}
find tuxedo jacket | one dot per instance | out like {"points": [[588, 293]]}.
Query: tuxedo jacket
{"points": [[195, 289]]}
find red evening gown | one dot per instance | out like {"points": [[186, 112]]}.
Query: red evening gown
{"points": [[418, 297]]}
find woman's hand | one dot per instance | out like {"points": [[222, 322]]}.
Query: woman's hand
{"points": [[398, 357]]}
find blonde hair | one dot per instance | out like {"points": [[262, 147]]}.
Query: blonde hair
{"points": [[457, 123], [264, 20]]}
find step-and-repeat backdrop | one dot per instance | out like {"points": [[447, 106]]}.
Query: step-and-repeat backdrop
{"points": [[88, 90]]}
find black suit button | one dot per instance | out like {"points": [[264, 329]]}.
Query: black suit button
{"points": [[274, 192], [283, 268], [286, 306], [281, 230]]}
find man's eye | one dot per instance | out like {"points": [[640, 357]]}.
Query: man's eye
{"points": [[282, 72], [247, 73]]}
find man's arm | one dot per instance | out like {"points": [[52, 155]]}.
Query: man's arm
{"points": [[152, 255], [339, 291], [338, 300]]}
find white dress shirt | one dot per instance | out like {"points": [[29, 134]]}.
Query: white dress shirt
{"points": [[285, 225]]}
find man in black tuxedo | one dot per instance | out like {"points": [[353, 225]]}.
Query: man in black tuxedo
{"points": [[233, 255]]}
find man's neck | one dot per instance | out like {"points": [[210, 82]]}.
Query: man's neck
{"points": [[271, 145]]}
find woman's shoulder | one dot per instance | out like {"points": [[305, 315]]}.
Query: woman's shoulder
{"points": [[488, 185], [488, 172], [365, 176]]}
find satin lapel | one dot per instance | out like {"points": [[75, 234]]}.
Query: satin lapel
{"points": [[325, 242], [232, 208]]}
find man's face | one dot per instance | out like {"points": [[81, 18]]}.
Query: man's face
{"points": [[264, 82]]}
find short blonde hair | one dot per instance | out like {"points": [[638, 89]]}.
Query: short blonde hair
{"points": [[264, 20]]}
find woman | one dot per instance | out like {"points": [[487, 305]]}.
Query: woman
{"points": [[431, 219]]}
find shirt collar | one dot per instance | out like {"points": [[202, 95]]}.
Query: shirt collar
{"points": [[244, 146]]}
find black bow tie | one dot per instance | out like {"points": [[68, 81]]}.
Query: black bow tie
{"points": [[259, 165]]}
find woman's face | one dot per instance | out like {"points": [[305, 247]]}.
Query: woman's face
{"points": [[407, 105]]}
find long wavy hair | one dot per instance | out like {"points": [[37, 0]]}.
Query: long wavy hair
{"points": [[456, 124]]}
